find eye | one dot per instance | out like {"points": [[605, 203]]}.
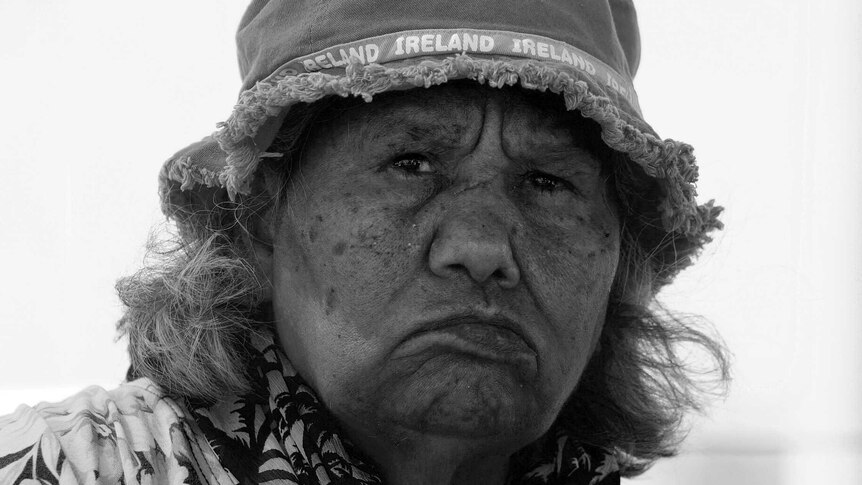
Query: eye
{"points": [[413, 164], [547, 183]]}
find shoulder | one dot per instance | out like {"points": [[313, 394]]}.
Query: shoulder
{"points": [[131, 434]]}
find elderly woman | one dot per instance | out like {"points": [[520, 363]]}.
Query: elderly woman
{"points": [[423, 249]]}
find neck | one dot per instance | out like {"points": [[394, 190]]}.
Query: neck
{"points": [[419, 459], [442, 464]]}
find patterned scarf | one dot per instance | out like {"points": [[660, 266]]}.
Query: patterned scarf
{"points": [[281, 433]]}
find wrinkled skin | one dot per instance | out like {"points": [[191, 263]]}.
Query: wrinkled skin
{"points": [[427, 203]]}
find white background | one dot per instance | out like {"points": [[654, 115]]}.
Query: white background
{"points": [[96, 95]]}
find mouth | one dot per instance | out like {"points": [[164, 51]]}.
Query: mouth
{"points": [[488, 337]]}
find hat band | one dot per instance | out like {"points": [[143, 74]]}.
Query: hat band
{"points": [[400, 46]]}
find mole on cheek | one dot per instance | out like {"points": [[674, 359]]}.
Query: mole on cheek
{"points": [[330, 300], [312, 231], [339, 248]]}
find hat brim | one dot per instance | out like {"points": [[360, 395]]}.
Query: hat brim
{"points": [[227, 160]]}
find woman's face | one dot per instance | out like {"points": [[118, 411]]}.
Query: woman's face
{"points": [[442, 262]]}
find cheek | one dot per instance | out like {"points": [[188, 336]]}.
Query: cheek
{"points": [[338, 265], [570, 269], [357, 254]]}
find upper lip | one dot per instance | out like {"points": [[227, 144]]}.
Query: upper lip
{"points": [[471, 317]]}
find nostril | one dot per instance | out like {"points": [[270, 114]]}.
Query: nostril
{"points": [[507, 277]]}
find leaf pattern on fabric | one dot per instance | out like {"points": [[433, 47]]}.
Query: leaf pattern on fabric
{"points": [[295, 437], [560, 460], [126, 436], [29, 464], [278, 433]]}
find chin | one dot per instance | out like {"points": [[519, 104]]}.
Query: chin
{"points": [[471, 400]]}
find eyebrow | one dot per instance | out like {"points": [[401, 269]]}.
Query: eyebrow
{"points": [[415, 124], [569, 161]]}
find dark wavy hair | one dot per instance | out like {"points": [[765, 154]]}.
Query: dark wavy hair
{"points": [[191, 309]]}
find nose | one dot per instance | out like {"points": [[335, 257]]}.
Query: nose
{"points": [[476, 243]]}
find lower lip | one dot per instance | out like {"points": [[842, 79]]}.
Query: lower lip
{"points": [[484, 341]]}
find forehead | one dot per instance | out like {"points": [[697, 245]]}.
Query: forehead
{"points": [[453, 111]]}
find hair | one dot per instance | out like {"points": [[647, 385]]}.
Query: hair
{"points": [[193, 307]]}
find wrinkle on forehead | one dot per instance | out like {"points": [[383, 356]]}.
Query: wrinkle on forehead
{"points": [[448, 119], [553, 128]]}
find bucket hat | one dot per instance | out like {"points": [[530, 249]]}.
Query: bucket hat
{"points": [[300, 51]]}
